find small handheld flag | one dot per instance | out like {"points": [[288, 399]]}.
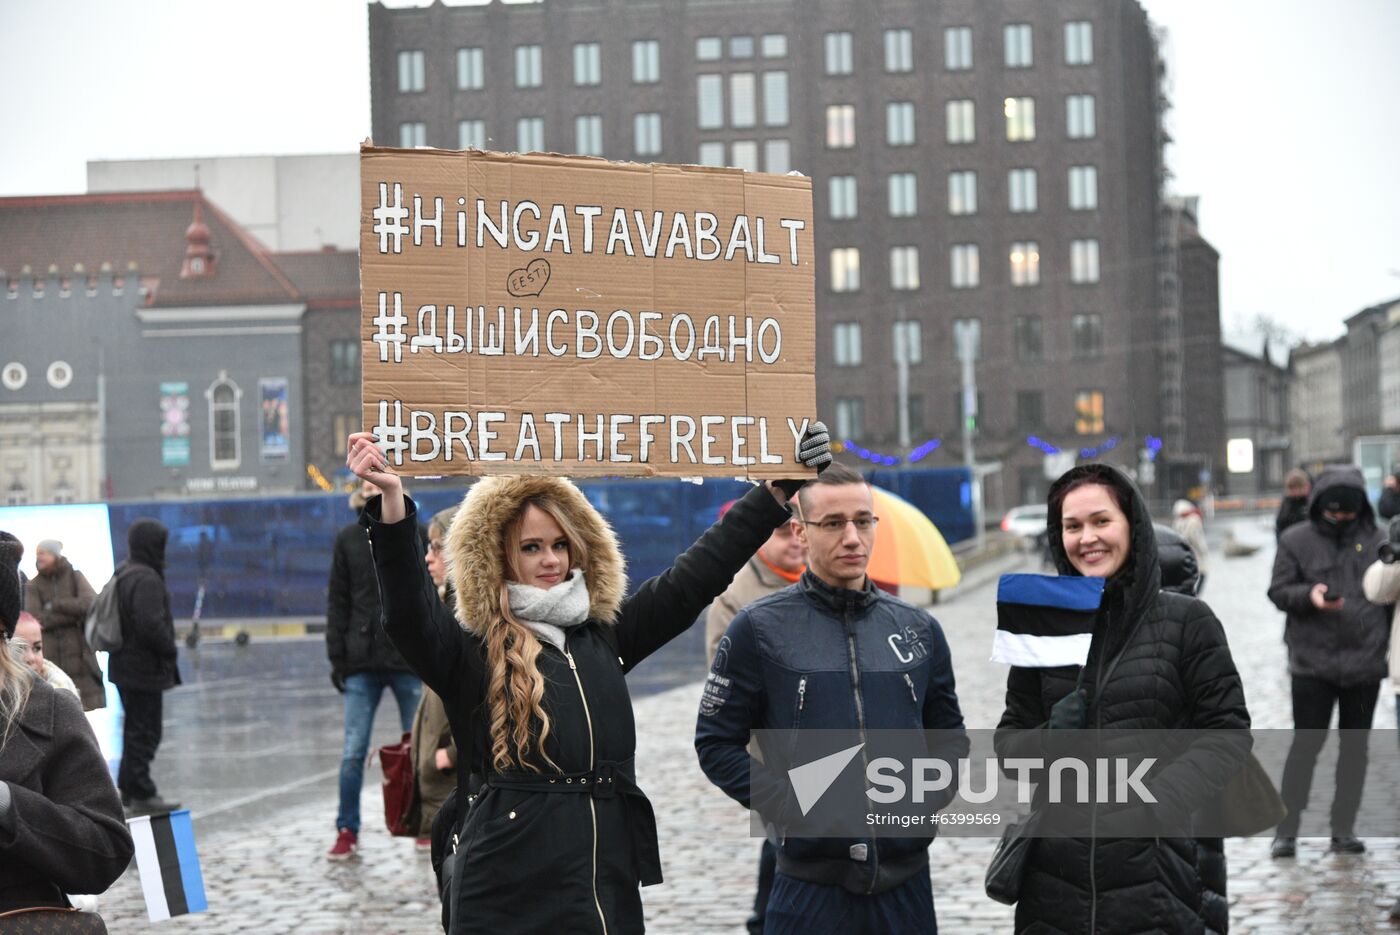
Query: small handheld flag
{"points": [[166, 860], [1045, 621]]}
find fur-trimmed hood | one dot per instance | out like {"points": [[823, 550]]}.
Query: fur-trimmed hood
{"points": [[476, 548]]}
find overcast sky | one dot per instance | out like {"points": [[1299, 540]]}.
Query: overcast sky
{"points": [[1286, 118]]}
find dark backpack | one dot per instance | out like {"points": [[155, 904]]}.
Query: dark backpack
{"points": [[103, 628]]}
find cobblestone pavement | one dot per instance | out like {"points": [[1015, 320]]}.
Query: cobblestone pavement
{"points": [[271, 877]]}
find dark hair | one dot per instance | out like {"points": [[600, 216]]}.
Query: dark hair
{"points": [[1056, 503], [836, 474]]}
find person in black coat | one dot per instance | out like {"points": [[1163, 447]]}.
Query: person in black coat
{"points": [[146, 665], [1157, 660], [1293, 509], [558, 836], [1389, 506]]}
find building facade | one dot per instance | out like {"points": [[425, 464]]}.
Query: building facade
{"points": [[1319, 426], [987, 166], [1258, 423]]}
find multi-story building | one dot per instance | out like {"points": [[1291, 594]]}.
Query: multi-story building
{"points": [[1388, 359], [1319, 424], [1257, 421], [986, 166]]}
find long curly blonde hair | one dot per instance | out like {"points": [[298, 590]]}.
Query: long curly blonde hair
{"points": [[516, 688], [15, 681]]}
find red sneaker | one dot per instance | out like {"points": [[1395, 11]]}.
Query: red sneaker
{"points": [[423, 844], [347, 843]]}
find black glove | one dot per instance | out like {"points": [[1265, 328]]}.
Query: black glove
{"points": [[338, 680], [1070, 712], [1389, 550], [814, 451]]}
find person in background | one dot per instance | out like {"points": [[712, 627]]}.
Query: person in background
{"points": [[363, 664], [1389, 506], [433, 750], [61, 597], [61, 827], [1381, 583], [778, 563], [1188, 524], [1294, 507], [31, 634]]}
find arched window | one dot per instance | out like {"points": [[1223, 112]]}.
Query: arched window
{"points": [[223, 396]]}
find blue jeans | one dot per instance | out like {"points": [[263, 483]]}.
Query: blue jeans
{"points": [[362, 693], [799, 908]]}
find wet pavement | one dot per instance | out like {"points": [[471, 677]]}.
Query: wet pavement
{"points": [[253, 744]]}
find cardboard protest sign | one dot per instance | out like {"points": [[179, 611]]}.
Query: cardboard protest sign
{"points": [[567, 315]]}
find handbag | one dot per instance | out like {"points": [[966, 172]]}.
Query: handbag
{"points": [[1008, 866], [1247, 805], [44, 920], [400, 788]]}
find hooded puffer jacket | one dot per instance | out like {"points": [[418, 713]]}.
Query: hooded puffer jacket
{"points": [[1344, 647], [148, 658], [1157, 660], [540, 854]]}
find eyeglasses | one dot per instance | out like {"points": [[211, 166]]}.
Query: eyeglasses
{"points": [[835, 527]]}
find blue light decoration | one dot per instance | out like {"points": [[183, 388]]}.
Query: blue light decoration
{"points": [[1042, 445], [1107, 444], [1152, 445], [924, 450], [884, 460]]}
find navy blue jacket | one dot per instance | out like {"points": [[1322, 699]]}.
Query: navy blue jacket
{"points": [[816, 657]]}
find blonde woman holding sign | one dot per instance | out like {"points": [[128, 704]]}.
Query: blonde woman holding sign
{"points": [[557, 836]]}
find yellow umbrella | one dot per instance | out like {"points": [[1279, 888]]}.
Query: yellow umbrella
{"points": [[909, 549]]}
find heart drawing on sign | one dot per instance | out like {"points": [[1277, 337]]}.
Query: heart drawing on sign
{"points": [[530, 280]]}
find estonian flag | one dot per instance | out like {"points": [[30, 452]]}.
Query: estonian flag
{"points": [[1044, 621], [168, 865]]}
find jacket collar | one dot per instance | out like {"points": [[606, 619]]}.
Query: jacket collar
{"points": [[840, 600]]}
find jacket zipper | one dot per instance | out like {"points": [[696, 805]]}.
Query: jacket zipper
{"points": [[860, 723], [592, 808], [913, 695], [1094, 808], [801, 693]]}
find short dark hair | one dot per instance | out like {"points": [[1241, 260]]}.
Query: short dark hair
{"points": [[836, 474]]}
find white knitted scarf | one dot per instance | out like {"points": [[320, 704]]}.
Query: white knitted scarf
{"points": [[550, 612]]}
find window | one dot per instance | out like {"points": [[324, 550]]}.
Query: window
{"points": [[223, 396], [775, 99], [840, 59], [410, 72], [413, 134], [847, 343], [904, 268], [1021, 190], [1084, 261], [908, 338], [646, 61], [471, 70], [345, 362], [899, 123], [960, 413], [646, 134], [744, 155], [777, 156], [709, 49], [741, 47], [741, 100], [471, 134], [904, 195], [710, 96], [961, 123], [841, 203], [1088, 412], [1017, 37], [588, 135], [588, 64], [1030, 410], [529, 66], [711, 154], [962, 192], [1083, 188], [1079, 116], [529, 135], [1020, 119], [849, 417], [963, 260], [1079, 43], [915, 403], [1029, 346], [1025, 263], [1086, 336], [774, 45], [957, 48], [840, 126], [343, 425], [899, 50], [845, 269]]}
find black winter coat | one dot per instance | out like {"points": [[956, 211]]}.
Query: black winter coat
{"points": [[1345, 647], [148, 659], [355, 640], [538, 861], [1173, 671], [1389, 506], [1291, 512]]}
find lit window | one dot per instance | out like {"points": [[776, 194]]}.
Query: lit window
{"points": [[588, 64], [908, 341], [846, 343], [471, 70], [1086, 336], [1020, 118], [904, 195], [899, 50], [840, 126], [957, 48], [1083, 188], [588, 135], [1029, 346], [849, 418], [775, 99], [711, 154], [1079, 43], [841, 203], [471, 134], [845, 269], [1021, 190], [342, 426], [774, 45], [646, 131], [709, 49], [710, 97], [1018, 45], [1088, 412], [964, 263], [899, 123], [962, 192], [1079, 116], [413, 134], [962, 126], [1025, 263], [410, 72], [744, 155], [1084, 261], [904, 268], [741, 100], [646, 61], [741, 47], [529, 135], [529, 66], [223, 397], [777, 156], [840, 57]]}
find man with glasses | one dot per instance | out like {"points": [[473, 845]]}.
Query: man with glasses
{"points": [[832, 652]]}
